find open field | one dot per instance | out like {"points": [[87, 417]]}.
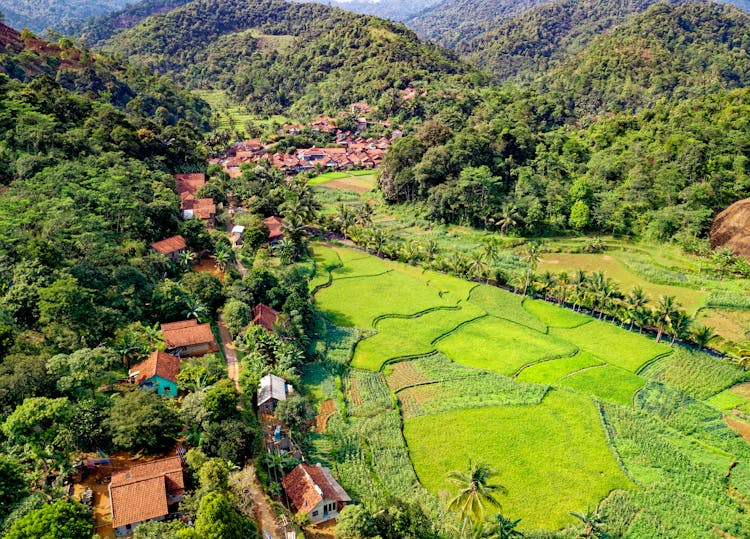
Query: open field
{"points": [[230, 114], [530, 446], [615, 345], [523, 385], [358, 181]]}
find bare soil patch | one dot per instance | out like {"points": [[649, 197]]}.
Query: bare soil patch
{"points": [[403, 375], [358, 185], [740, 427], [207, 265], [731, 228], [327, 409]]}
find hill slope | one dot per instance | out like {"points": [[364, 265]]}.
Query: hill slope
{"points": [[395, 10], [37, 15], [454, 21], [273, 54], [96, 30]]}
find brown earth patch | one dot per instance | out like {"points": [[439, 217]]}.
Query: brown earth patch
{"points": [[403, 375], [207, 265], [354, 395], [731, 228], [743, 390], [740, 427], [348, 184], [327, 409]]}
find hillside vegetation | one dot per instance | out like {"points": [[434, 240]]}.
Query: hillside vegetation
{"points": [[272, 55], [38, 15]]}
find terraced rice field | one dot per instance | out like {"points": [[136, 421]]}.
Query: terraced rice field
{"points": [[523, 384]]}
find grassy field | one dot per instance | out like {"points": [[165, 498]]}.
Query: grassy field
{"points": [[231, 115], [549, 372], [605, 382], [355, 180], [553, 316], [499, 345], [503, 304], [615, 345], [546, 475]]}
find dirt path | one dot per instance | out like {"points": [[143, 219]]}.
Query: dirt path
{"points": [[247, 483], [236, 249], [230, 353]]}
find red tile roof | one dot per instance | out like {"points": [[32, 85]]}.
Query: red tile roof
{"points": [[169, 245], [202, 208], [306, 486], [187, 333], [274, 228], [157, 364], [265, 316], [142, 492]]}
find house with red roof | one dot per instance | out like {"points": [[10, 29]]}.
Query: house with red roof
{"points": [[314, 492], [157, 372], [275, 231], [172, 248], [145, 492], [264, 316], [188, 338]]}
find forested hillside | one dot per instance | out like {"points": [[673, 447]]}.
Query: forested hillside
{"points": [[96, 30], [38, 15], [452, 22], [395, 10], [499, 32], [272, 55]]}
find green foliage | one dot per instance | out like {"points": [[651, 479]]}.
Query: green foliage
{"points": [[12, 485], [221, 400], [217, 518], [199, 373], [205, 288], [236, 315], [605, 382], [294, 412], [81, 373], [234, 440], [64, 519], [297, 54], [355, 522], [142, 420], [698, 374], [158, 530], [40, 422]]}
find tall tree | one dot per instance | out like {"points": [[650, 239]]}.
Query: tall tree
{"points": [[476, 494]]}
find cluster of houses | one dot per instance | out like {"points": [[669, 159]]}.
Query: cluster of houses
{"points": [[351, 150], [192, 207]]}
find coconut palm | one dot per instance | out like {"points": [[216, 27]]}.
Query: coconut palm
{"points": [[580, 286], [635, 302], [531, 259], [508, 218], [477, 267], [679, 326], [665, 310], [490, 250], [345, 218], [476, 493], [702, 335]]}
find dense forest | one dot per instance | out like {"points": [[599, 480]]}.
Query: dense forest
{"points": [[38, 15], [273, 55]]}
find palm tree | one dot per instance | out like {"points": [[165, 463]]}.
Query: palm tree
{"points": [[153, 335], [580, 285], [345, 218], [477, 267], [665, 310], [531, 258], [635, 302], [546, 283], [702, 335], [508, 218], [679, 326], [490, 250], [592, 523], [286, 250], [475, 494], [430, 249]]}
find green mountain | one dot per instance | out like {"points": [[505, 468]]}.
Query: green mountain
{"points": [[455, 21], [96, 30], [38, 15], [668, 52], [273, 55]]}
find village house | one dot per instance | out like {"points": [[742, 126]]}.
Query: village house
{"points": [[275, 232], [189, 183], [264, 316], [238, 232], [157, 372], [173, 248], [188, 338], [314, 492], [272, 390], [199, 208], [145, 492]]}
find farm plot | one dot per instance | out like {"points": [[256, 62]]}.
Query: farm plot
{"points": [[552, 457], [553, 315], [605, 382], [549, 372], [503, 304], [431, 368], [486, 389], [499, 345], [326, 260], [404, 337], [356, 302], [698, 374], [617, 346]]}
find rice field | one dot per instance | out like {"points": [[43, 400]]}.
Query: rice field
{"points": [[531, 447]]}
